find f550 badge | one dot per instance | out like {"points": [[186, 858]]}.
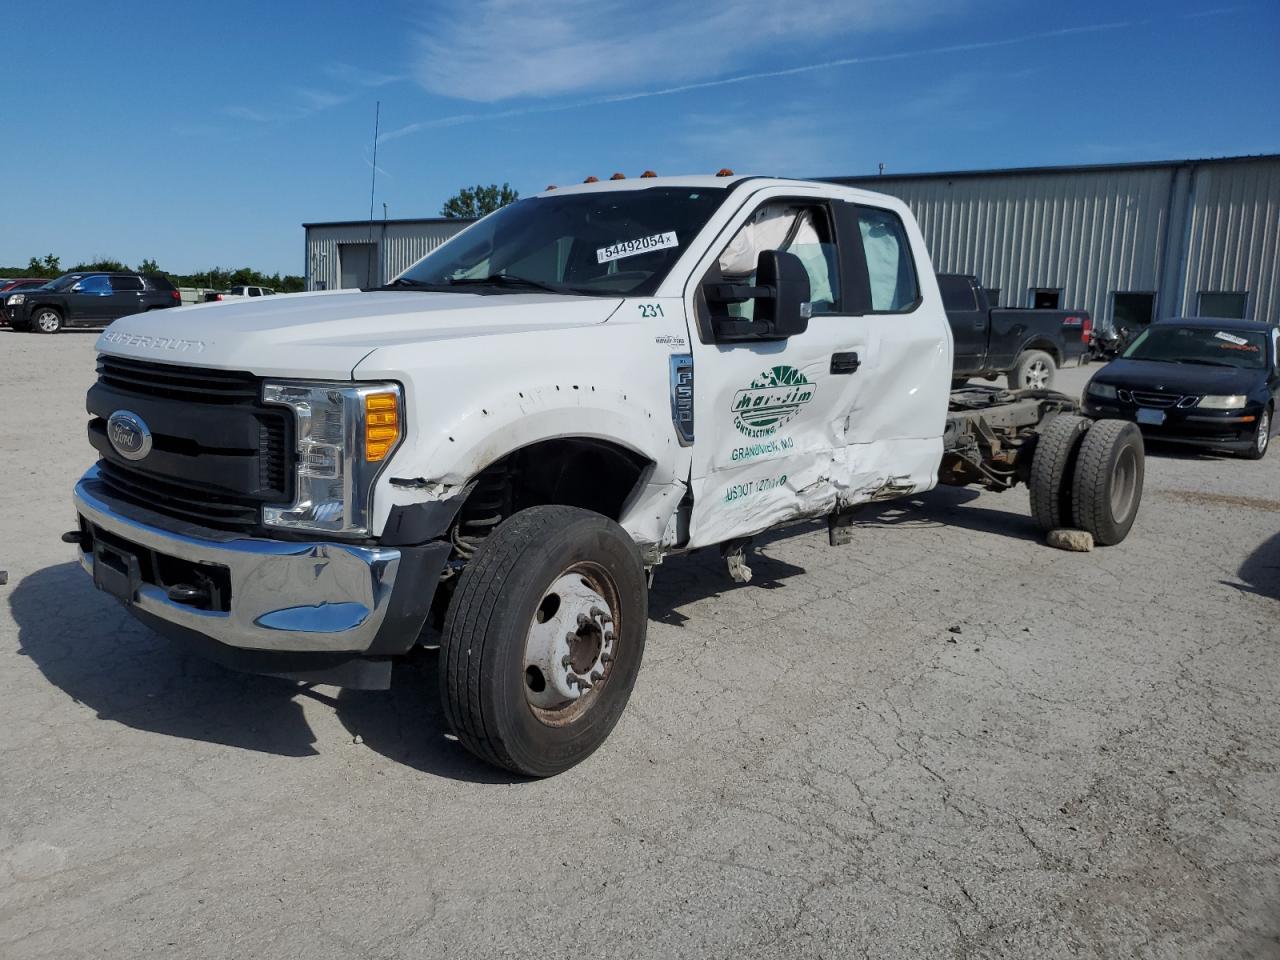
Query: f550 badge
{"points": [[773, 398]]}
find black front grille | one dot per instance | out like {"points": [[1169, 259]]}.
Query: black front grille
{"points": [[178, 499], [219, 453], [192, 384]]}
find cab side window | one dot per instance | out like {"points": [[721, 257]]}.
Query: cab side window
{"points": [[96, 285], [799, 229], [890, 270], [126, 283]]}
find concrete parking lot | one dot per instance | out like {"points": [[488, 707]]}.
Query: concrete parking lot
{"points": [[944, 740]]}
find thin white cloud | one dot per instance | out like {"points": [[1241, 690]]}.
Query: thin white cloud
{"points": [[345, 73], [491, 50], [923, 52]]}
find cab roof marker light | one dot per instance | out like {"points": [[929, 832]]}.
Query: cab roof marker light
{"points": [[591, 180], [724, 172], [618, 176], [648, 173]]}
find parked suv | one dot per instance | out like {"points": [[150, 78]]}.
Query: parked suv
{"points": [[13, 286], [88, 299]]}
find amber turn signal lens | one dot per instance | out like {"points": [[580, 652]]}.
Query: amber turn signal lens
{"points": [[381, 425]]}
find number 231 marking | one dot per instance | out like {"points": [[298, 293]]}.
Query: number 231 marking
{"points": [[651, 310]]}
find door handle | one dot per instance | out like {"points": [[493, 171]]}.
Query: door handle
{"points": [[845, 363]]}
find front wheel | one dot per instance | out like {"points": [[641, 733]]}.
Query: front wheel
{"points": [[1261, 439], [543, 639], [47, 320], [1035, 370]]}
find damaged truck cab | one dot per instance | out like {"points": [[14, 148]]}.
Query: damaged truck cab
{"points": [[503, 443]]}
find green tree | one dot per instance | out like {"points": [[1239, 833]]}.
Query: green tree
{"points": [[102, 263], [477, 201], [149, 266], [46, 266]]}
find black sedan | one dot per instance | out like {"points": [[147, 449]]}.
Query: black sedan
{"points": [[1212, 383]]}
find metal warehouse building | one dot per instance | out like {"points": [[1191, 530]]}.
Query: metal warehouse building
{"points": [[360, 253], [1127, 242]]}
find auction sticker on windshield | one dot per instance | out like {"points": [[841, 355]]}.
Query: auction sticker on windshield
{"points": [[629, 248], [1231, 338]]}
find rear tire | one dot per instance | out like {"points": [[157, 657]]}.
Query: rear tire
{"points": [[1053, 471], [1107, 489], [545, 575], [46, 320], [1034, 370], [1261, 439]]}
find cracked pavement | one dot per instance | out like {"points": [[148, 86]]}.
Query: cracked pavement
{"points": [[812, 765]]}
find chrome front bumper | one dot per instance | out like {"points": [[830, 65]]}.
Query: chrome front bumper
{"points": [[284, 596]]}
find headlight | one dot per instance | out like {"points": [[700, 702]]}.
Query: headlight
{"points": [[1233, 402], [1103, 391], [346, 433], [16, 299]]}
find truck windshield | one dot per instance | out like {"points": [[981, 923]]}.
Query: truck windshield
{"points": [[1204, 345], [607, 243]]}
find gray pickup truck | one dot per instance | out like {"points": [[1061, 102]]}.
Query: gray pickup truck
{"points": [[1026, 345]]}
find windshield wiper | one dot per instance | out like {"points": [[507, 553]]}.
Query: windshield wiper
{"points": [[414, 284], [503, 280], [1207, 363]]}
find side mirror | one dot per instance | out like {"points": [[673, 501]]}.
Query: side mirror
{"points": [[781, 294], [787, 312]]}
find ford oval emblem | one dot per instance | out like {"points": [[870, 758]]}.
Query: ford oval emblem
{"points": [[128, 435]]}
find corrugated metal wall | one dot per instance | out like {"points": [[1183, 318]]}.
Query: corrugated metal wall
{"points": [[1169, 229], [1087, 233], [1233, 236], [397, 244]]}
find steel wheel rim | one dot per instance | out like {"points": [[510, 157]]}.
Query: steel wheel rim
{"points": [[571, 646], [1264, 432], [1124, 484], [1037, 375], [47, 321]]}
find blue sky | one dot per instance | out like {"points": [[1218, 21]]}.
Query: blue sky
{"points": [[206, 134]]}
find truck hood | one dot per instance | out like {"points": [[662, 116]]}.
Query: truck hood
{"points": [[325, 335]]}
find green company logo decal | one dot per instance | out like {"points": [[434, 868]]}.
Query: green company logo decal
{"points": [[773, 398]]}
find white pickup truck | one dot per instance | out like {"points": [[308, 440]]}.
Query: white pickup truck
{"points": [[504, 442], [237, 293]]}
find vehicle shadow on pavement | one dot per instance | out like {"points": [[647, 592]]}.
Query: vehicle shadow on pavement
{"points": [[703, 574], [1261, 570], [951, 507], [96, 653]]}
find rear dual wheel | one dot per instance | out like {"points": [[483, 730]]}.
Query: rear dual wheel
{"points": [[543, 639], [1088, 475]]}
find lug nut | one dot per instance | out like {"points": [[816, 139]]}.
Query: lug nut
{"points": [[582, 620]]}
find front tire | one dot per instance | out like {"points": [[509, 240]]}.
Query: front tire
{"points": [[46, 320], [1035, 370], [1261, 439], [543, 640]]}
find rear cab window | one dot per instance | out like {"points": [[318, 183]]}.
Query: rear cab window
{"points": [[891, 271], [126, 283]]}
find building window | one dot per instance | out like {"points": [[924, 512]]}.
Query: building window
{"points": [[1132, 311], [1223, 305], [1045, 298]]}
